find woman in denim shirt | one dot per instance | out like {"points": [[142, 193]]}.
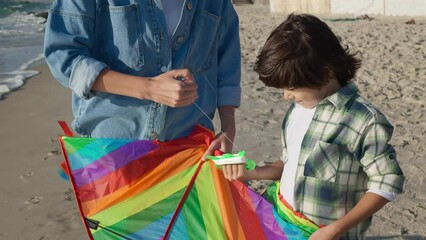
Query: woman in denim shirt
{"points": [[147, 69]]}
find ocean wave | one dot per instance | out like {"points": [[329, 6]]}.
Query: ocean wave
{"points": [[15, 79], [21, 24], [21, 41]]}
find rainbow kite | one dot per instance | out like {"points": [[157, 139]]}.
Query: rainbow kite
{"points": [[138, 189]]}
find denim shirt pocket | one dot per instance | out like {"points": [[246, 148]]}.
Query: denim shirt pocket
{"points": [[203, 41], [323, 162], [119, 37]]}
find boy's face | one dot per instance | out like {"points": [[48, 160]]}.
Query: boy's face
{"points": [[310, 97], [305, 97]]}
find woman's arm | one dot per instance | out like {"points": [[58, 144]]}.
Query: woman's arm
{"points": [[164, 88]]}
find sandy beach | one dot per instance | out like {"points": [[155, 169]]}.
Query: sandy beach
{"points": [[35, 203], [392, 76]]}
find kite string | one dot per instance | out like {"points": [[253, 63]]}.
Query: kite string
{"points": [[216, 127], [181, 78]]}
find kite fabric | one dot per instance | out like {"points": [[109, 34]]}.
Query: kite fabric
{"points": [[140, 189]]}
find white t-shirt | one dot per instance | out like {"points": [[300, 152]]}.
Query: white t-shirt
{"points": [[297, 126]]}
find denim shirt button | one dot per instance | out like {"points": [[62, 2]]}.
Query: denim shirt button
{"points": [[154, 135], [180, 39], [163, 69], [189, 6]]}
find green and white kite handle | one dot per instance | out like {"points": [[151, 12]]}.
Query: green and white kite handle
{"points": [[229, 158]]}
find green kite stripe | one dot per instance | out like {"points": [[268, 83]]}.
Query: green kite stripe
{"points": [[210, 206], [139, 202], [137, 221]]}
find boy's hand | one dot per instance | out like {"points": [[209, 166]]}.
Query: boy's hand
{"points": [[328, 232], [235, 172]]}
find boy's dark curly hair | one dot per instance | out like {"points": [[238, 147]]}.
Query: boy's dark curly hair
{"points": [[301, 51]]}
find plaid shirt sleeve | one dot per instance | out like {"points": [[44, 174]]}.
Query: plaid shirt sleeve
{"points": [[378, 157]]}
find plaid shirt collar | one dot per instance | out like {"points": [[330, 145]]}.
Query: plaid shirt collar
{"points": [[342, 96]]}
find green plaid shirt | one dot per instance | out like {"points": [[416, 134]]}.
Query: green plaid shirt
{"points": [[344, 153]]}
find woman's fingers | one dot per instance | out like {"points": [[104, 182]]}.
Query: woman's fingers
{"points": [[176, 88], [184, 96], [182, 74]]}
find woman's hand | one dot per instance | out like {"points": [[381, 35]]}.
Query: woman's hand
{"points": [[176, 88], [222, 142]]}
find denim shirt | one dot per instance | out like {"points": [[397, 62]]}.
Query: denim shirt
{"points": [[130, 36]]}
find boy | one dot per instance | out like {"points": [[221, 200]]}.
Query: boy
{"points": [[339, 168]]}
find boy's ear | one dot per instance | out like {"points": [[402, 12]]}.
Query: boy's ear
{"points": [[328, 73]]}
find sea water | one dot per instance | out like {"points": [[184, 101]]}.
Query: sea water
{"points": [[21, 41]]}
